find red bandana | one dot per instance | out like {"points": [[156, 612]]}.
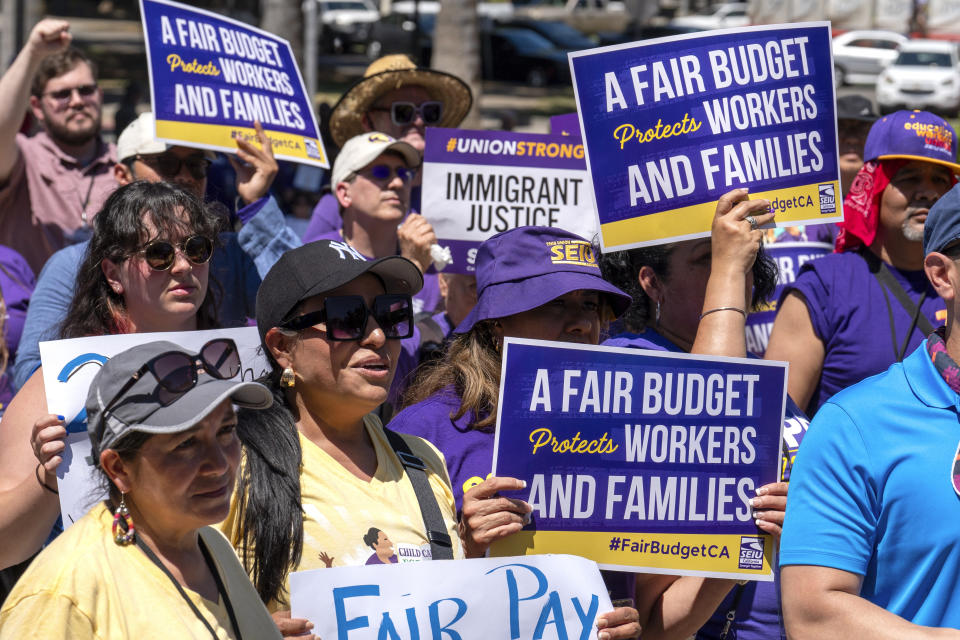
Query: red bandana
{"points": [[861, 208]]}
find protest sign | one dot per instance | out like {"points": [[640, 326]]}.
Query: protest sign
{"points": [[640, 460], [789, 257], [211, 77], [479, 183], [550, 597], [66, 378], [566, 124], [672, 124]]}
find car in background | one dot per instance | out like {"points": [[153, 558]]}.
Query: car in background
{"points": [[521, 55], [721, 16], [560, 34], [925, 75], [345, 23], [398, 33], [860, 56]]}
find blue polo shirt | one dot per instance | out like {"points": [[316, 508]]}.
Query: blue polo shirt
{"points": [[872, 492]]}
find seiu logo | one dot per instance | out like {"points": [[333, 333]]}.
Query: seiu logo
{"points": [[578, 252]]}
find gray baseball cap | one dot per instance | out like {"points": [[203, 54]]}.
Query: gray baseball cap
{"points": [[149, 408]]}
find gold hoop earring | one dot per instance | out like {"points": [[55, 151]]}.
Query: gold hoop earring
{"points": [[287, 378], [658, 313], [126, 536]]}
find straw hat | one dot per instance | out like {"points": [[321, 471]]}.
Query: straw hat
{"points": [[387, 74]]}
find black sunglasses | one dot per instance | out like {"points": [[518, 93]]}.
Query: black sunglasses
{"points": [[63, 95], [384, 173], [178, 372], [160, 254], [403, 113], [346, 317], [169, 164]]}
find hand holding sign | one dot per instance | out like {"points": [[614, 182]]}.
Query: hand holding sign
{"points": [[48, 440], [415, 237], [770, 507], [735, 240], [258, 169], [488, 517]]}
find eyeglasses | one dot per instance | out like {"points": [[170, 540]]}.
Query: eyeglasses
{"points": [[384, 173], [178, 372], [160, 254], [346, 317], [63, 96], [169, 164], [403, 113]]}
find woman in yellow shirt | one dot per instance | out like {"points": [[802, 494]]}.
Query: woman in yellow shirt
{"points": [[145, 563]]}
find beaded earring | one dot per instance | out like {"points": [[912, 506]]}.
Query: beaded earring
{"points": [[126, 535], [287, 379]]}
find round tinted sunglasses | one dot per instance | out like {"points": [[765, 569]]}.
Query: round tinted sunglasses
{"points": [[345, 317], [403, 113], [63, 96], [177, 372], [169, 164], [160, 254], [384, 173]]}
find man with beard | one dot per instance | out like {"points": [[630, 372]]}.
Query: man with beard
{"points": [[852, 314], [52, 183]]}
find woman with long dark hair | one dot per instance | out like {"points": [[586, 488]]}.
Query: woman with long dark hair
{"points": [[145, 270], [320, 472]]}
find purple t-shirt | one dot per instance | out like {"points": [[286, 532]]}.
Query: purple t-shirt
{"points": [[469, 456], [16, 283], [757, 615], [849, 313], [812, 233]]}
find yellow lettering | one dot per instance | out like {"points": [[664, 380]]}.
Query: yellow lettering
{"points": [[543, 435]]}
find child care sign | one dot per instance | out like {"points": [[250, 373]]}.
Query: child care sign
{"points": [[640, 460], [211, 77], [672, 124], [479, 183]]}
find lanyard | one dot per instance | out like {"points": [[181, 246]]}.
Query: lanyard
{"points": [[216, 576], [888, 283]]}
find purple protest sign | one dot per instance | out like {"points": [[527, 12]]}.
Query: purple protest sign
{"points": [[789, 257], [566, 124], [640, 460], [478, 183]]}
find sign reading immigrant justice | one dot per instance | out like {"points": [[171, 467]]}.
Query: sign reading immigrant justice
{"points": [[211, 77], [479, 183], [672, 124], [640, 460]]}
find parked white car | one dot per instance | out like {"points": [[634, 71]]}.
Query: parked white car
{"points": [[728, 14], [925, 75], [860, 56], [344, 23]]}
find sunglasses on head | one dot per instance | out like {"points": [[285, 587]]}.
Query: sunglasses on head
{"points": [[177, 372], [161, 254], [384, 173], [345, 317], [62, 96], [169, 164], [403, 113]]}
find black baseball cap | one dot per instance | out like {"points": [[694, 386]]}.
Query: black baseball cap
{"points": [[320, 266], [855, 107]]}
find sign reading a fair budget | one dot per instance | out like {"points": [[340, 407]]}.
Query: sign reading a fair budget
{"points": [[69, 367], [640, 460], [211, 77], [479, 183], [672, 124]]}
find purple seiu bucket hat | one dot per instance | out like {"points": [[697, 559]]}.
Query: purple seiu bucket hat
{"points": [[523, 268]]}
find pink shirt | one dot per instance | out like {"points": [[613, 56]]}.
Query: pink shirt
{"points": [[43, 203]]}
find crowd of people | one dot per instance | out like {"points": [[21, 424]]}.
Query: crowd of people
{"points": [[372, 433]]}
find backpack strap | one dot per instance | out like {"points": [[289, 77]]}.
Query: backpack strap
{"points": [[441, 547]]}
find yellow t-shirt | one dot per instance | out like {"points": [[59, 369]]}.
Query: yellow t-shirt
{"points": [[349, 522], [84, 585]]}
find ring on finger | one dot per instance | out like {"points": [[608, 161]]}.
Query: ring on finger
{"points": [[753, 222]]}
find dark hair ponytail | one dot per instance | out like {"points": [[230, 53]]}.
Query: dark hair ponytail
{"points": [[269, 505]]}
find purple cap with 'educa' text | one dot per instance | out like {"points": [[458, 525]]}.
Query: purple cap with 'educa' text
{"points": [[913, 135]]}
